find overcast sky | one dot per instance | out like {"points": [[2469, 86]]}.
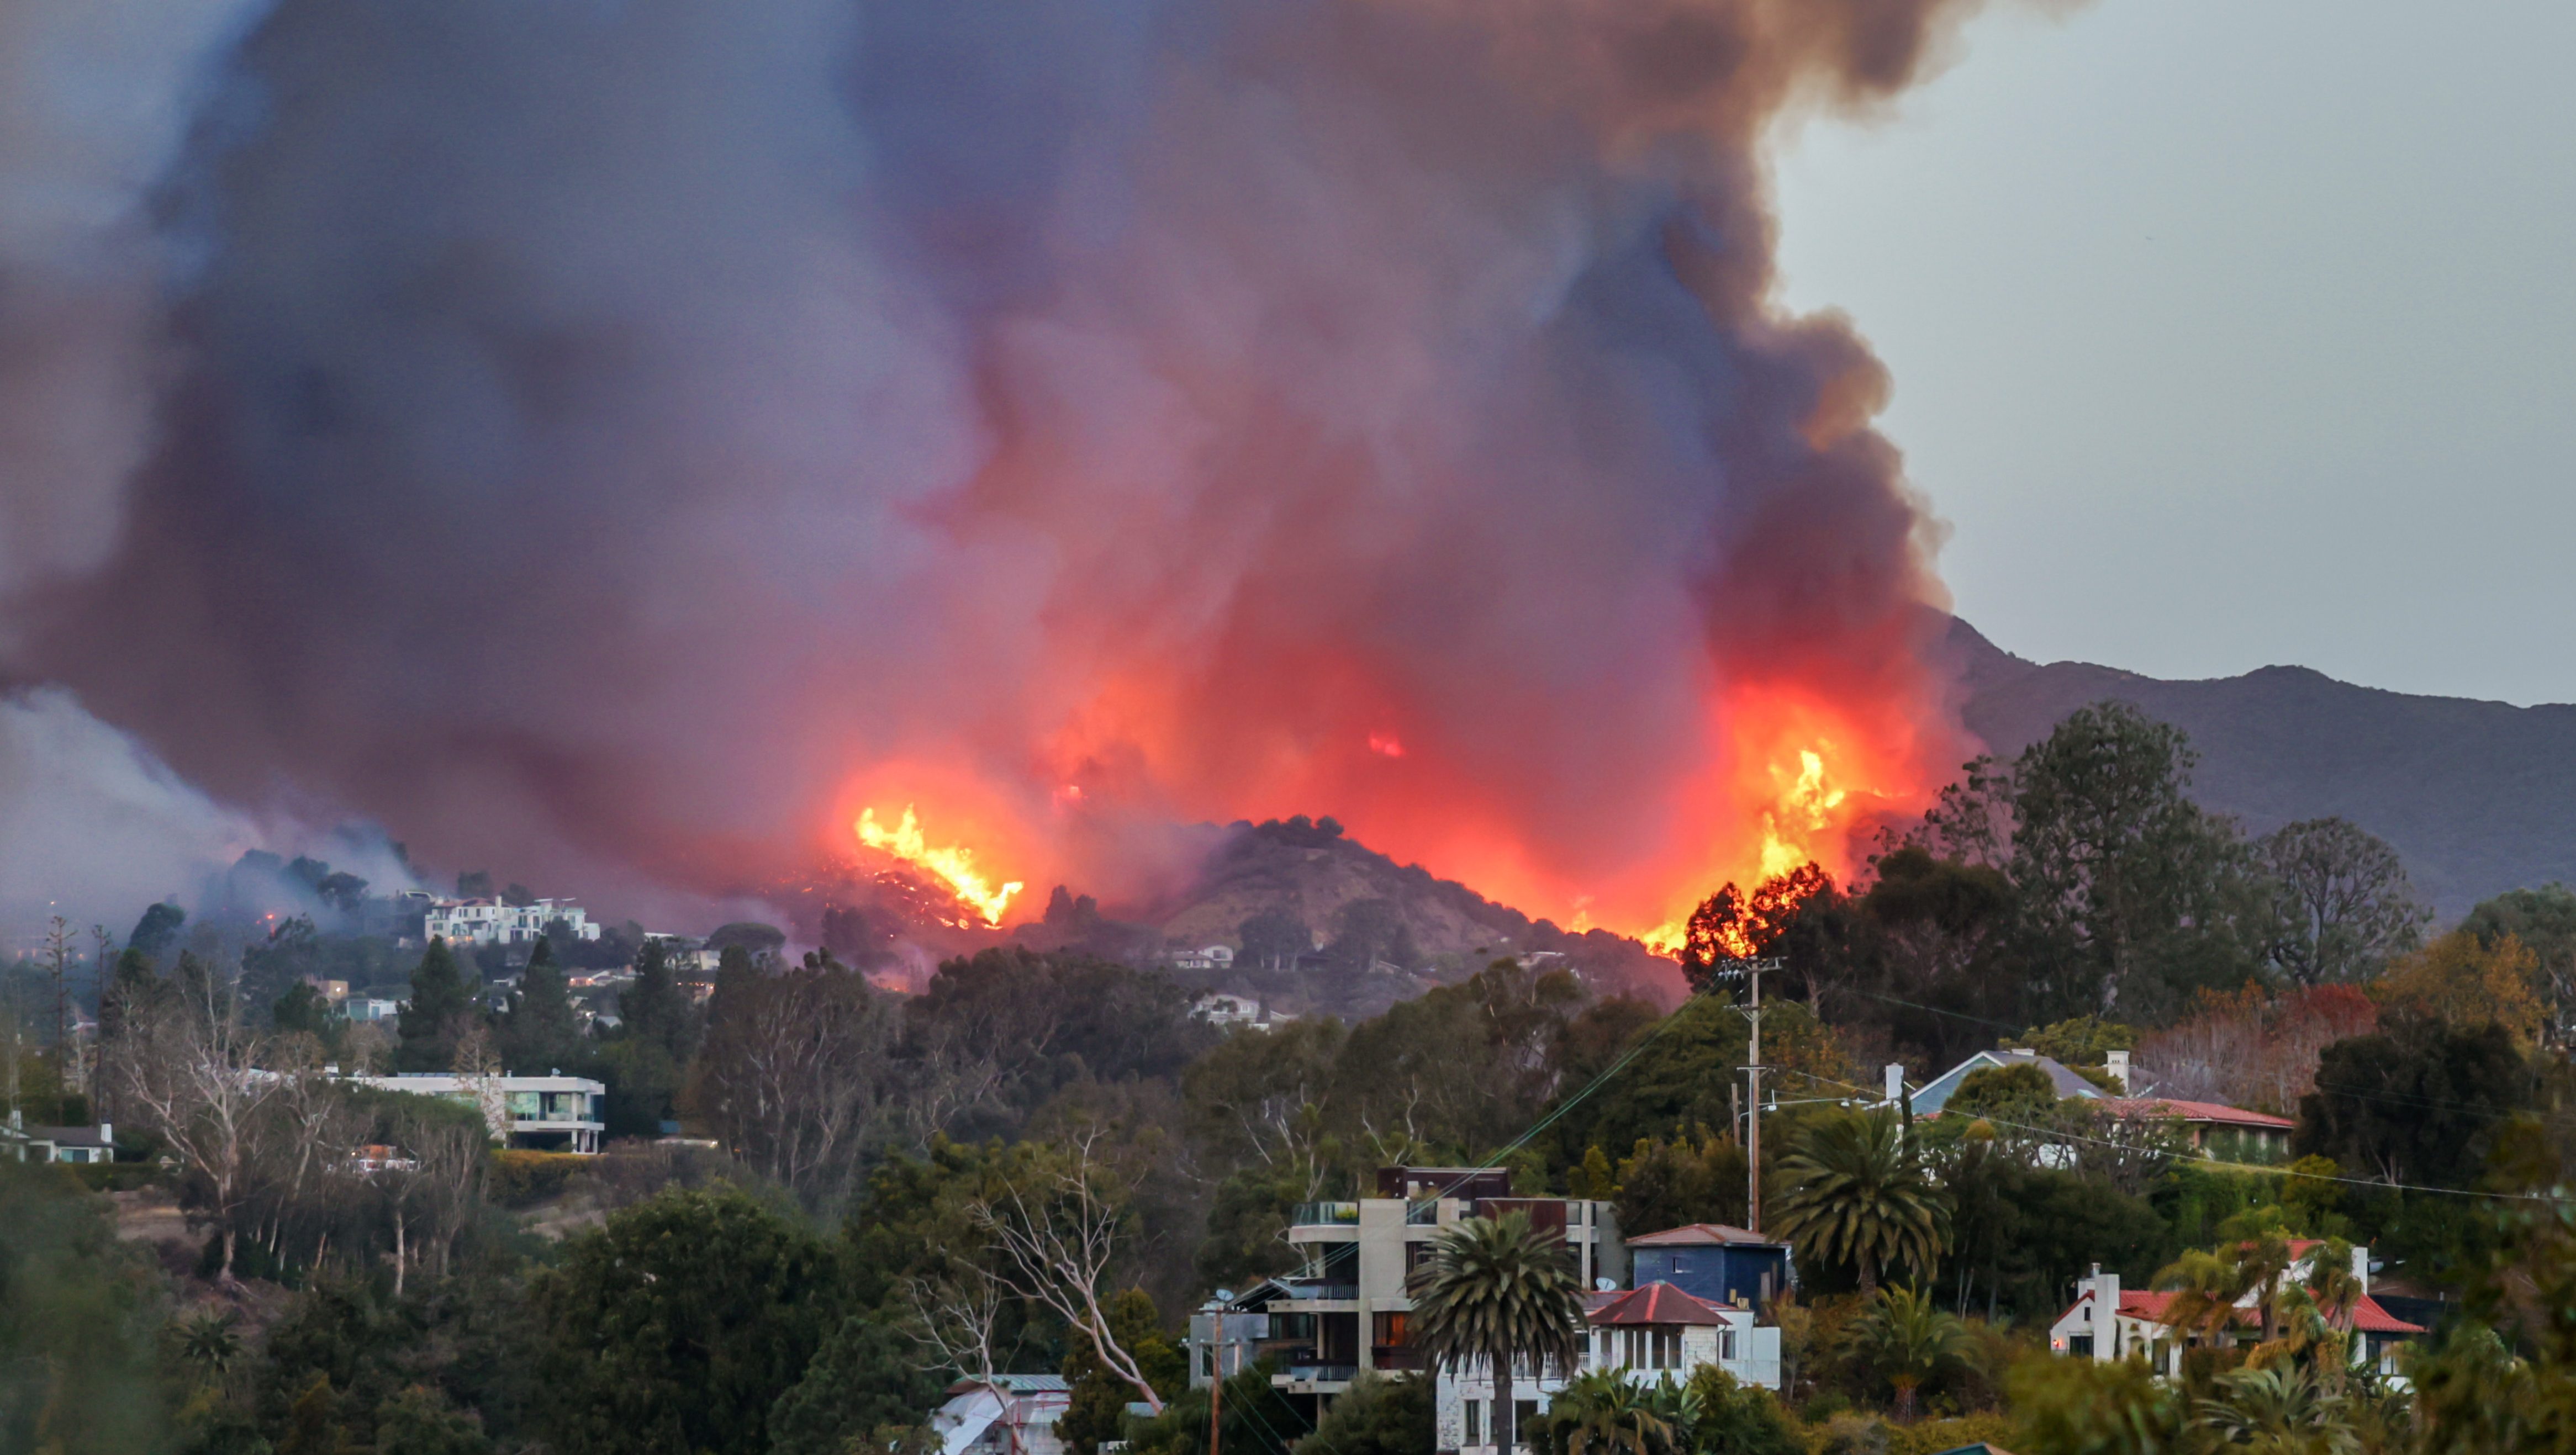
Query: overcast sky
{"points": [[2232, 332]]}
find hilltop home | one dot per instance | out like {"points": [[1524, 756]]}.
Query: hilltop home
{"points": [[77, 1145], [1712, 1261], [1936, 1093], [1008, 1414], [493, 922]]}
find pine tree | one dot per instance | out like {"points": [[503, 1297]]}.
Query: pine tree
{"points": [[654, 1010], [435, 1014], [540, 1033]]}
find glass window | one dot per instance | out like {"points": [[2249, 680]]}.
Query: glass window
{"points": [[1475, 1422]]}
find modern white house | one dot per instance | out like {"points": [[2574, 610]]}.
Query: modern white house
{"points": [[539, 1113], [1207, 957], [1228, 1011], [1008, 1414], [2107, 1322], [492, 922], [1646, 1335]]}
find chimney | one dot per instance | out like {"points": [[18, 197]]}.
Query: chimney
{"points": [[1895, 1082], [2119, 1069], [2106, 1315], [107, 1134], [2361, 1267]]}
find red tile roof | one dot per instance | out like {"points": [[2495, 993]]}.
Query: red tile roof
{"points": [[2368, 1316], [1701, 1235], [1656, 1303], [2197, 1111]]}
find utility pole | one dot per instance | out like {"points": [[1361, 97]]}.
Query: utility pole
{"points": [[1752, 971]]}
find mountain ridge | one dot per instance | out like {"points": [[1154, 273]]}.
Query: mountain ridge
{"points": [[2476, 796]]}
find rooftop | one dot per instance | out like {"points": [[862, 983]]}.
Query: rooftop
{"points": [[1656, 1303], [1704, 1235], [2214, 1113]]}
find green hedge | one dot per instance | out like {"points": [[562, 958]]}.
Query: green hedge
{"points": [[115, 1176], [521, 1178]]}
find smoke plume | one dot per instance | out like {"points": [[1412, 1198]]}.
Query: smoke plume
{"points": [[621, 442]]}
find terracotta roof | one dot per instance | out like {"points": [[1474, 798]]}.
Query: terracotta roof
{"points": [[1656, 1303], [2368, 1316], [1702, 1235], [2197, 1111]]}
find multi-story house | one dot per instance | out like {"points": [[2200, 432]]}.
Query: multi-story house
{"points": [[494, 922], [540, 1113], [1646, 1335], [1348, 1310]]}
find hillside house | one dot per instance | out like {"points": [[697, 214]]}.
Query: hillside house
{"points": [[1712, 1261], [79, 1146], [1935, 1094], [1207, 957], [2108, 1322], [1645, 1334], [482, 921], [2226, 1133], [539, 1113]]}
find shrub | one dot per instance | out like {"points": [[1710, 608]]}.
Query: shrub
{"points": [[518, 1178]]}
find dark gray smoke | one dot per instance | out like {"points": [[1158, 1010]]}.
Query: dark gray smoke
{"points": [[615, 442]]}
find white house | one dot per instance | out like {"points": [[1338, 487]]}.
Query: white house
{"points": [[1647, 1334], [492, 922], [1009, 1414], [1209, 957], [1228, 1011], [543, 1113], [369, 1008], [2107, 1322], [79, 1145]]}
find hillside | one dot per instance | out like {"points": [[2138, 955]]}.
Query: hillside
{"points": [[2478, 797]]}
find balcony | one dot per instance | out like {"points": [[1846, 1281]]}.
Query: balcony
{"points": [[1325, 1215], [1395, 1356], [1320, 1374], [1315, 1290], [1422, 1214]]}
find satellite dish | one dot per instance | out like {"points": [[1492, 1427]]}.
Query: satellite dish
{"points": [[1225, 1295], [1605, 1285]]}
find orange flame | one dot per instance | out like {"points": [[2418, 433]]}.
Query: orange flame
{"points": [[954, 864]]}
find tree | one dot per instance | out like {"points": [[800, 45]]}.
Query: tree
{"points": [[2414, 1102], [1056, 1225], [2019, 1092], [156, 931], [1732, 925], [2095, 1407], [1600, 1412], [677, 1326], [1855, 1189], [302, 1010], [2131, 892], [540, 1030], [1272, 940], [2350, 906], [76, 1322], [2277, 1407], [1907, 1342], [2544, 920], [864, 1378], [1739, 1419], [792, 1071], [1498, 1291], [1670, 1183], [185, 1073], [2464, 981], [436, 1014], [1097, 1410], [1378, 1415], [654, 1010]]}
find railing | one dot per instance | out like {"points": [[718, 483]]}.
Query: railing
{"points": [[1311, 1289], [1323, 1373], [1325, 1214], [1422, 1214], [1395, 1356]]}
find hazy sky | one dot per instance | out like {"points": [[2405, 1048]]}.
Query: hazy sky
{"points": [[2233, 332]]}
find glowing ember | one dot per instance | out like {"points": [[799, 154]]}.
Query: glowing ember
{"points": [[954, 864], [1386, 745]]}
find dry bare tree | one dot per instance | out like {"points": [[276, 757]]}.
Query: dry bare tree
{"points": [[194, 1078], [1056, 1222], [957, 1318]]}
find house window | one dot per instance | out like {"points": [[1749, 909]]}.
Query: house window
{"points": [[1726, 1345], [1524, 1415], [1475, 1422]]}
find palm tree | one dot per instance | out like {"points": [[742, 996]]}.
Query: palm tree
{"points": [[1497, 1289], [2279, 1410], [1855, 1189], [1910, 1343], [1603, 1413]]}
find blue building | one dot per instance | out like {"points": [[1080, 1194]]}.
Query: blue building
{"points": [[1711, 1261]]}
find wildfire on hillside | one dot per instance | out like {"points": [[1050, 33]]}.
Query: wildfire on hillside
{"points": [[954, 864]]}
